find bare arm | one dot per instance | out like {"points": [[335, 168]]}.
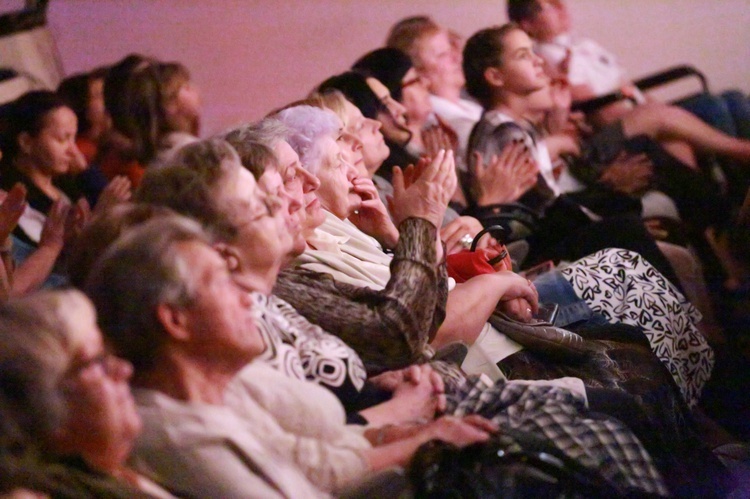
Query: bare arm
{"points": [[471, 303], [33, 271]]}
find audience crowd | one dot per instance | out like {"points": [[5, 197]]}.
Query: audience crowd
{"points": [[428, 269]]}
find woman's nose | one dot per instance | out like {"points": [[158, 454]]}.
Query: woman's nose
{"points": [[310, 182]]}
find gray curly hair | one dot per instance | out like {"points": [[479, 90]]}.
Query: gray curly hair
{"points": [[307, 124]]}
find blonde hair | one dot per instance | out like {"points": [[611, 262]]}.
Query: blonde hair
{"points": [[407, 34], [333, 100]]}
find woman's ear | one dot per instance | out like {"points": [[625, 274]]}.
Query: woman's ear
{"points": [[231, 256], [25, 142], [494, 76]]}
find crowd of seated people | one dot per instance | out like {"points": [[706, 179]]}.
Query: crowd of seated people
{"points": [[304, 302]]}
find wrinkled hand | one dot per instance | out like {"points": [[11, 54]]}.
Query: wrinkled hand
{"points": [[11, 209], [118, 190], [422, 390], [372, 216], [506, 177], [629, 174], [390, 380], [518, 287], [452, 233], [424, 190], [460, 431]]}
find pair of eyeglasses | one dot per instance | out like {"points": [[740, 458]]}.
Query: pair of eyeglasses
{"points": [[104, 359]]}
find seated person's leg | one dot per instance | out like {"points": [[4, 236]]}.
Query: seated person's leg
{"points": [[712, 110]]}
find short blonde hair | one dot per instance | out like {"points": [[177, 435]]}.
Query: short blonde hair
{"points": [[333, 100], [407, 34]]}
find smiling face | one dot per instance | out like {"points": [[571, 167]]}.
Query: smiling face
{"points": [[336, 192], [374, 150], [103, 422], [53, 150]]}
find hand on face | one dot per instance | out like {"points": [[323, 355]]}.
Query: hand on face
{"points": [[371, 216]]}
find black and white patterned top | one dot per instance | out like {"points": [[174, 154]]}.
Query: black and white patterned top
{"points": [[303, 350]]}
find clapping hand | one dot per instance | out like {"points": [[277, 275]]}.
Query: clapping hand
{"points": [[424, 190], [504, 178], [118, 190], [629, 174]]}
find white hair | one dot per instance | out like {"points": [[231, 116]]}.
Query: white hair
{"points": [[307, 125]]}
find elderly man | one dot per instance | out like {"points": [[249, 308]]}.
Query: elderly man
{"points": [[168, 304]]}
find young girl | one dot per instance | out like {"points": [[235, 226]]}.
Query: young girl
{"points": [[502, 72]]}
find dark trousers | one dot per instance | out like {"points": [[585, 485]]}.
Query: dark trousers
{"points": [[566, 233]]}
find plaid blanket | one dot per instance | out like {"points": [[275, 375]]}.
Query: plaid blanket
{"points": [[560, 416]]}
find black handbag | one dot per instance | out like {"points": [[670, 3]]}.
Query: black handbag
{"points": [[512, 464]]}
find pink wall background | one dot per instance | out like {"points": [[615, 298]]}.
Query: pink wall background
{"points": [[250, 56]]}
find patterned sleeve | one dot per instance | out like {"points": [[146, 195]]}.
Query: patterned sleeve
{"points": [[389, 328]]}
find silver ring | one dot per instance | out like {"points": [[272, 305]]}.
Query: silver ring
{"points": [[466, 241]]}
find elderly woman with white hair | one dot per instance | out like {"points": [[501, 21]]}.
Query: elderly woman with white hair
{"points": [[349, 243]]}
